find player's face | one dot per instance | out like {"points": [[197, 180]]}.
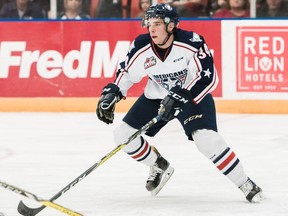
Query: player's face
{"points": [[157, 30]]}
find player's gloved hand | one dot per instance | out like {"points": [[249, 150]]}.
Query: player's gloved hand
{"points": [[172, 104], [110, 96]]}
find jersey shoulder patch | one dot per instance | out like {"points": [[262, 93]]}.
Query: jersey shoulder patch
{"points": [[189, 37]]}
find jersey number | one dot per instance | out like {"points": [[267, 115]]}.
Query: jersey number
{"points": [[203, 52]]}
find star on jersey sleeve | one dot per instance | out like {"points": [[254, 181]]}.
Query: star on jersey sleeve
{"points": [[206, 78]]}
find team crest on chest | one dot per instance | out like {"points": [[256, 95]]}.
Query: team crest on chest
{"points": [[171, 79], [150, 62]]}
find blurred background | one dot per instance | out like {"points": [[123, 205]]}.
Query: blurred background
{"points": [[56, 55], [55, 58]]}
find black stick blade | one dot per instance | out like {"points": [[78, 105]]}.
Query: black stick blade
{"points": [[26, 211]]}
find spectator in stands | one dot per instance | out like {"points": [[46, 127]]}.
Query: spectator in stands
{"points": [[273, 8], [216, 5], [236, 9], [143, 7], [190, 8], [86, 4], [106, 9], [21, 9], [72, 10], [44, 5]]}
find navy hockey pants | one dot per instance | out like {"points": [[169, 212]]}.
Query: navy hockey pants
{"points": [[192, 118]]}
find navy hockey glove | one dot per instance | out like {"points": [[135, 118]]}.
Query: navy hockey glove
{"points": [[110, 96], [172, 104]]}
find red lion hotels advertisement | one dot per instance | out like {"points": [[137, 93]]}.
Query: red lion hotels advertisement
{"points": [[262, 59], [254, 65]]}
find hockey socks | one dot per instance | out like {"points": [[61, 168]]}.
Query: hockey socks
{"points": [[229, 164], [143, 153]]}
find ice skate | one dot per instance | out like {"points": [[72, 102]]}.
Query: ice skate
{"points": [[252, 192], [159, 174]]}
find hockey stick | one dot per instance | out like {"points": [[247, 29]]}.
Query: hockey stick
{"points": [[38, 199], [25, 210]]}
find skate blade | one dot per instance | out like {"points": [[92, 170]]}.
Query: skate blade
{"points": [[258, 197], [166, 176]]}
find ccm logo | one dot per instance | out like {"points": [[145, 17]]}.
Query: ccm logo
{"points": [[191, 118], [178, 97]]}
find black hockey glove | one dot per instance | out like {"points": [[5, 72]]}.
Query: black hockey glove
{"points": [[172, 104], [110, 96]]}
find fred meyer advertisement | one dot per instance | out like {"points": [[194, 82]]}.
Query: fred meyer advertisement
{"points": [[75, 59]]}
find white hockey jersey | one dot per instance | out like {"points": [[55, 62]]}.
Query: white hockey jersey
{"points": [[187, 63]]}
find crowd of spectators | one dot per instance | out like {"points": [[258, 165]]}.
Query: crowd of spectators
{"points": [[93, 9], [72, 9], [234, 9], [21, 9]]}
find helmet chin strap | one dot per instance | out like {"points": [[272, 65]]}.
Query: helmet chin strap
{"points": [[168, 36], [165, 41]]}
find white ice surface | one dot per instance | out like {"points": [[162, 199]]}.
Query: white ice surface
{"points": [[43, 152]]}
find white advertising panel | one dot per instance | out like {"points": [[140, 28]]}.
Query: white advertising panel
{"points": [[255, 59]]}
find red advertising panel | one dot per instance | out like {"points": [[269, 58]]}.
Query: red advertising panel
{"points": [[261, 57], [75, 58]]}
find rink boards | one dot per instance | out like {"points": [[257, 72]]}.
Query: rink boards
{"points": [[64, 66]]}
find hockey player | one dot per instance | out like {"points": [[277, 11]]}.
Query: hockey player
{"points": [[181, 75]]}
